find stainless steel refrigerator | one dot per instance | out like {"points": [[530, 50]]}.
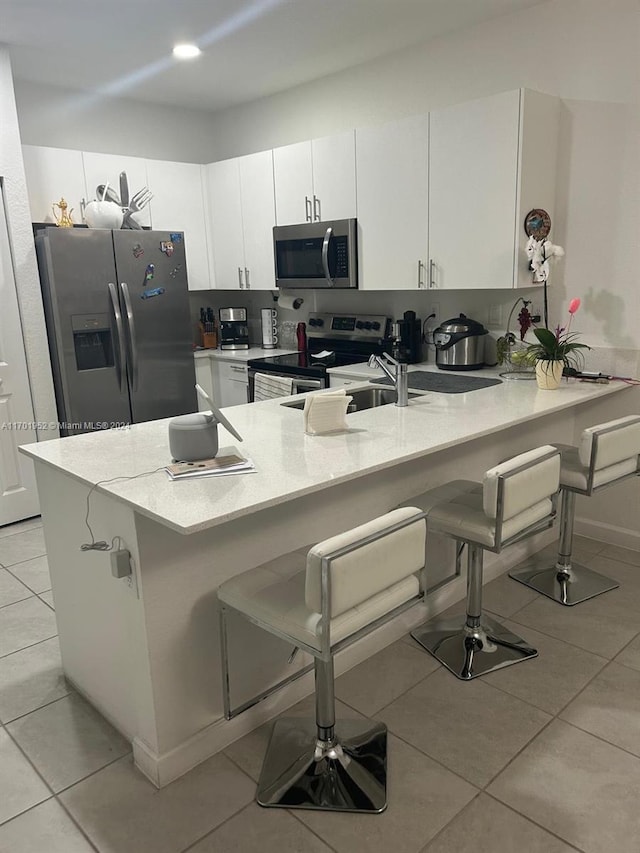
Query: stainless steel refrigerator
{"points": [[119, 326]]}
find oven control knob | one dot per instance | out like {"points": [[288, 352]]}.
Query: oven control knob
{"points": [[359, 325], [313, 321], [319, 321], [367, 325], [375, 326]]}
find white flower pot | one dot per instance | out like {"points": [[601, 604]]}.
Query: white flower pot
{"points": [[549, 374]]}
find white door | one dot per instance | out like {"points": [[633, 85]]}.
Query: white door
{"points": [[334, 176], [178, 205], [392, 167], [52, 174], [258, 219], [225, 216], [293, 183], [18, 494], [473, 175]]}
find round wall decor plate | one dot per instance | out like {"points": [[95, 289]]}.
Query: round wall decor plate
{"points": [[537, 223]]}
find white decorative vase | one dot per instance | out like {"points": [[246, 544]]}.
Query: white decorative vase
{"points": [[549, 374], [103, 214]]}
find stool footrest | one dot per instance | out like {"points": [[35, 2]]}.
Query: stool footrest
{"points": [[468, 653], [568, 588], [349, 774]]}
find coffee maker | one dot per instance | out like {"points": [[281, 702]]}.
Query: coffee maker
{"points": [[234, 331], [407, 334]]}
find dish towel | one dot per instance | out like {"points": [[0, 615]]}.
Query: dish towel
{"points": [[267, 387]]}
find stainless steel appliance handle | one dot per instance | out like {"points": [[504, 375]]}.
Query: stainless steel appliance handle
{"points": [[133, 344], [307, 207], [325, 256], [247, 280], [121, 355], [240, 278], [316, 209]]}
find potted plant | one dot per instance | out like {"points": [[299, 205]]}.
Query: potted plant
{"points": [[556, 350]]}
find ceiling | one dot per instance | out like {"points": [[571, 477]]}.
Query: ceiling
{"points": [[251, 48]]}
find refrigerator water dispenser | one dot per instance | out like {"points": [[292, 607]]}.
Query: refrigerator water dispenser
{"points": [[92, 341]]}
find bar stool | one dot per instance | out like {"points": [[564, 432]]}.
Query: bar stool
{"points": [[608, 453], [351, 584], [516, 499]]}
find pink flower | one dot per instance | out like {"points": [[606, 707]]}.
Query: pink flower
{"points": [[574, 305]]}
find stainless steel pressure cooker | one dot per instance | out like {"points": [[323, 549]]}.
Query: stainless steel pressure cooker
{"points": [[459, 344]]}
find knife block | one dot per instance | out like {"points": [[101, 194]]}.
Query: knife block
{"points": [[208, 340]]}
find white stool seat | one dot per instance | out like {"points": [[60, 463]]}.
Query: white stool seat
{"points": [[274, 594]]}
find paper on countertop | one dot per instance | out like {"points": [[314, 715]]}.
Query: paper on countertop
{"points": [[325, 413], [228, 461], [325, 353]]}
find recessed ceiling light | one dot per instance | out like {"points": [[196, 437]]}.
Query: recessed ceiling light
{"points": [[186, 51]]}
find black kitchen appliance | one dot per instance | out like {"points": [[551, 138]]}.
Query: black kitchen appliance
{"points": [[408, 335], [333, 340], [234, 331], [459, 344], [316, 254]]}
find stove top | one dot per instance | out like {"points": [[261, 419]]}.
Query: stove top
{"points": [[333, 341]]}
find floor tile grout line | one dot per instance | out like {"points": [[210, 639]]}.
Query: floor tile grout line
{"points": [[293, 814], [77, 825], [395, 699], [31, 645], [219, 826], [425, 847], [14, 575], [3, 823], [600, 738], [535, 823], [26, 598], [127, 754], [20, 562], [6, 723]]}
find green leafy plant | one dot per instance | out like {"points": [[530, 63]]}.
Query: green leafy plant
{"points": [[560, 345]]}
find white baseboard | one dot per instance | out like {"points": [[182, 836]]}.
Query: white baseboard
{"points": [[165, 768], [609, 533]]}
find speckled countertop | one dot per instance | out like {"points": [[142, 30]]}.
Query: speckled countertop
{"points": [[239, 354], [289, 463]]}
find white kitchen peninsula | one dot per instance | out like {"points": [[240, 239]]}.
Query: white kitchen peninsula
{"points": [[146, 654]]}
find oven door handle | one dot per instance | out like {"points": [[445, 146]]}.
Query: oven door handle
{"points": [[302, 385], [325, 256]]}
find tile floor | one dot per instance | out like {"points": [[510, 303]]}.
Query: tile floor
{"points": [[543, 757]]}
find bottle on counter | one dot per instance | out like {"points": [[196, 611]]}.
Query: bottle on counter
{"points": [[301, 335]]}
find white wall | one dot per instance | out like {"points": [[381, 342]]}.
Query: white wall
{"points": [[25, 265]]}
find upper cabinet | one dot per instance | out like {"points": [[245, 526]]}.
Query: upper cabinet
{"points": [[242, 216], [490, 161], [178, 205], [393, 193], [52, 174], [315, 180]]}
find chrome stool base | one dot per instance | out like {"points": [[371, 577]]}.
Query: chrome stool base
{"points": [[470, 652], [566, 587], [348, 774]]}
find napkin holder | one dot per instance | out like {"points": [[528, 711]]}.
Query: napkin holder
{"points": [[325, 413]]}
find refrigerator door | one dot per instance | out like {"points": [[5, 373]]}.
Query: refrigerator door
{"points": [[153, 293], [84, 327]]}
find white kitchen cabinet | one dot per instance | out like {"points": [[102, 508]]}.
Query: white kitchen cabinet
{"points": [[100, 168], [52, 174], [490, 161], [242, 216], [230, 383], [392, 168], [315, 180], [178, 205]]}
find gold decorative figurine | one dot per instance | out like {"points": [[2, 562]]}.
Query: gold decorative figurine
{"points": [[65, 220]]}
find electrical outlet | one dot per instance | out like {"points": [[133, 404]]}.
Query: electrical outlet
{"points": [[495, 315]]}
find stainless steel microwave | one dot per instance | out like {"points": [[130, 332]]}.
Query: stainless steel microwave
{"points": [[316, 254]]}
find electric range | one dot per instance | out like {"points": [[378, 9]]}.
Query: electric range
{"points": [[333, 340]]}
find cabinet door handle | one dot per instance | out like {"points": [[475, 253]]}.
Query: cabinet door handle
{"points": [[247, 280], [238, 369], [431, 268], [307, 207], [316, 209], [240, 282], [420, 282]]}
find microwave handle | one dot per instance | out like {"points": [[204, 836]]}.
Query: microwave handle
{"points": [[325, 256]]}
